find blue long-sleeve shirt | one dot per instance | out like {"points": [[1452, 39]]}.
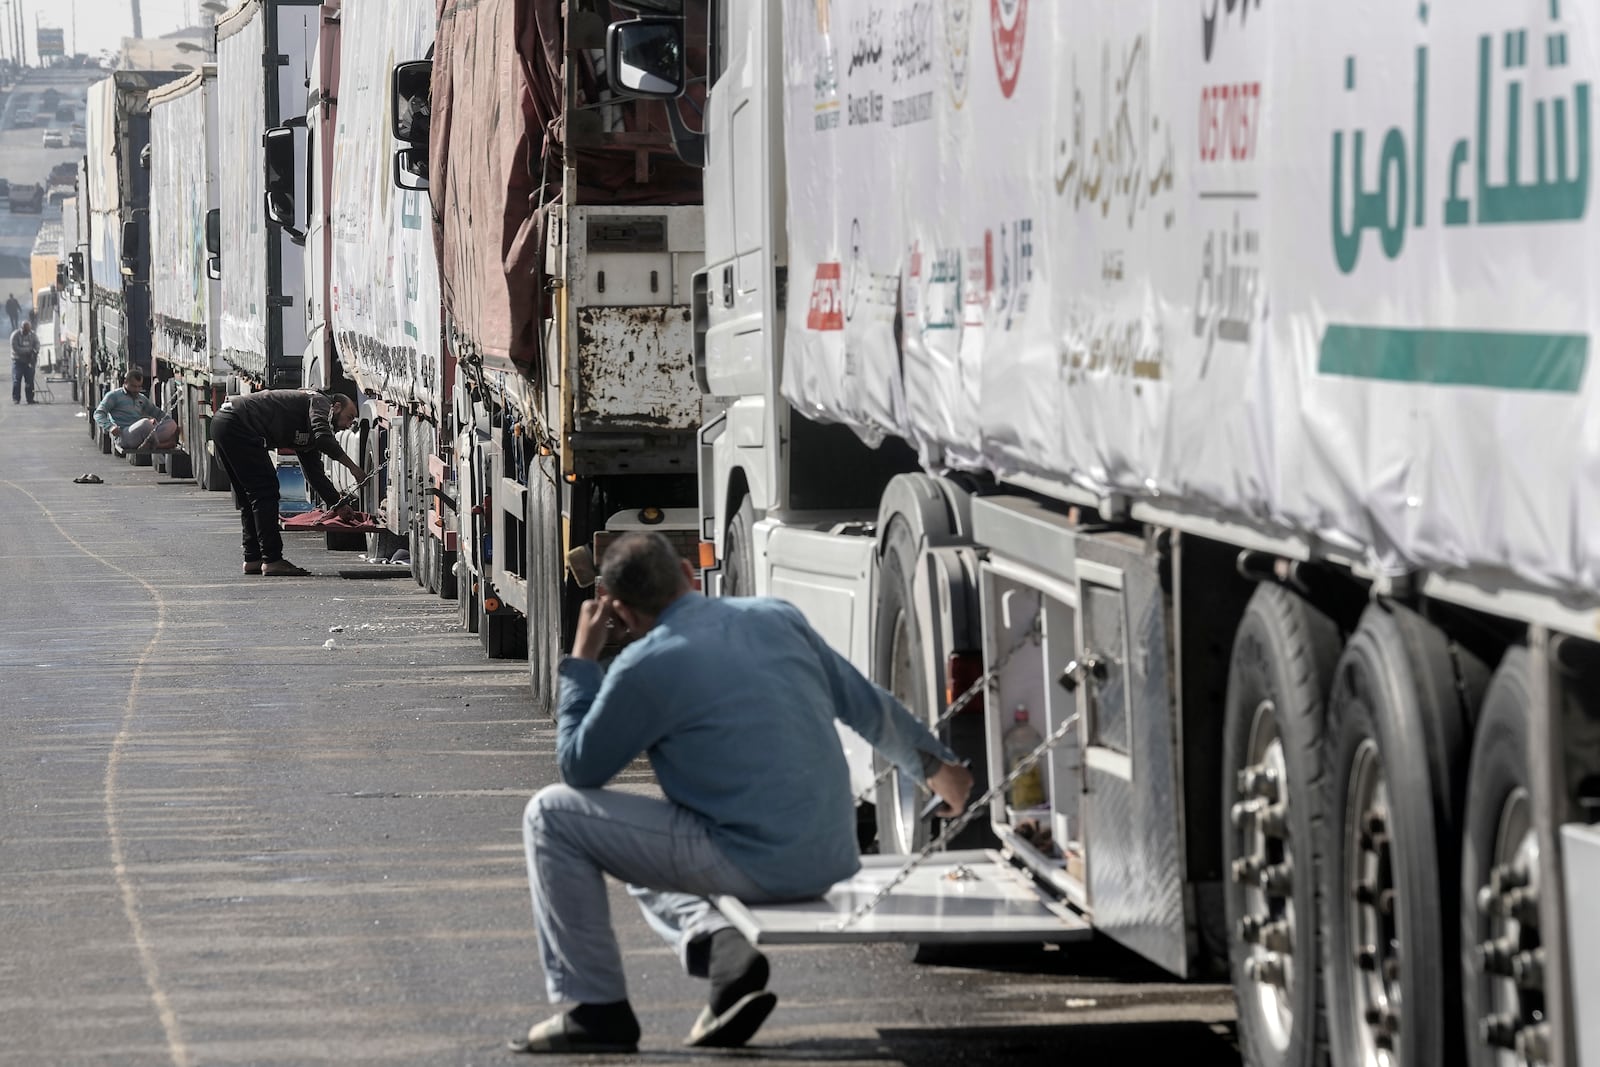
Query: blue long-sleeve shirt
{"points": [[122, 409], [734, 701]]}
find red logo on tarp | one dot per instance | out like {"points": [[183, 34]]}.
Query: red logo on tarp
{"points": [[1008, 20], [827, 299]]}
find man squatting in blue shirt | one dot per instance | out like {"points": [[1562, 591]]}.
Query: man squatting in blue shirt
{"points": [[734, 702]]}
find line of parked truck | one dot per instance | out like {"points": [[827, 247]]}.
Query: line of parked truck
{"points": [[999, 339]]}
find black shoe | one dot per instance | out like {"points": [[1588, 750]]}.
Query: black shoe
{"points": [[588, 1028], [739, 1001]]}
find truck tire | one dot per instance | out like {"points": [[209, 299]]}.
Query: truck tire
{"points": [[897, 666], [1398, 736], [738, 552], [1502, 983], [1275, 715]]}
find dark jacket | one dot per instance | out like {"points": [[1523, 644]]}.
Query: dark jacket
{"points": [[292, 418], [24, 346]]}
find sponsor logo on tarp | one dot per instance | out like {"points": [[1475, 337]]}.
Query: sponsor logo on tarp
{"points": [[827, 299], [911, 61], [1008, 26], [957, 47]]}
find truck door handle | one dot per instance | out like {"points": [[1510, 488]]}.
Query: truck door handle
{"points": [[727, 287], [1090, 668]]}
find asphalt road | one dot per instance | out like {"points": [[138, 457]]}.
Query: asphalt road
{"points": [[226, 844]]}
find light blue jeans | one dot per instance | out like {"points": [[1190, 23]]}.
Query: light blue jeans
{"points": [[574, 838]]}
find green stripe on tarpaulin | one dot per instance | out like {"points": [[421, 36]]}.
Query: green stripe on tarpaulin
{"points": [[1546, 362]]}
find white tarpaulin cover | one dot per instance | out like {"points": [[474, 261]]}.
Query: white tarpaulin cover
{"points": [[100, 178], [1321, 268], [241, 103], [182, 161], [385, 296]]}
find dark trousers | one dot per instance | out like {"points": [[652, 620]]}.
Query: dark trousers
{"points": [[255, 486], [21, 373]]}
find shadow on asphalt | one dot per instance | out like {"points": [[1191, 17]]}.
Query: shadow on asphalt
{"points": [[1098, 959], [1191, 1044]]}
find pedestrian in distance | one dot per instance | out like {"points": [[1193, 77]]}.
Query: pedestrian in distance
{"points": [[243, 431], [24, 354], [734, 702], [13, 309], [124, 407]]}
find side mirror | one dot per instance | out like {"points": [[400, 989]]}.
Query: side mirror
{"points": [[214, 268], [411, 101], [279, 145], [213, 232], [61, 276], [409, 161], [75, 265], [130, 240], [644, 57]]}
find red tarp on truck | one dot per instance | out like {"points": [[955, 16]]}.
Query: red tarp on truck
{"points": [[498, 147]]}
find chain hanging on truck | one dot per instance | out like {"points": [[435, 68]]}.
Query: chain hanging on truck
{"points": [[1032, 635], [955, 826]]}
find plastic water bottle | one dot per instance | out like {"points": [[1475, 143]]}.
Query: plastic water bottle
{"points": [[1027, 791]]}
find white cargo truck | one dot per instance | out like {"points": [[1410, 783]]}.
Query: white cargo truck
{"points": [[184, 194], [114, 198], [1210, 381], [265, 50], [383, 307]]}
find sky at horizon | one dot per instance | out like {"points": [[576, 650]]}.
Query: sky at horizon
{"points": [[99, 25]]}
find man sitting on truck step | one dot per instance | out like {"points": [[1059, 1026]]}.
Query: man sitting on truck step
{"points": [[24, 353], [121, 408], [245, 428], [734, 702]]}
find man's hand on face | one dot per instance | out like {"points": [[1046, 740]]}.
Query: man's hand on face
{"points": [[594, 619]]}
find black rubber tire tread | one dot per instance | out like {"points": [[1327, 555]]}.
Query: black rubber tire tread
{"points": [[1500, 765], [738, 552], [1284, 650], [1396, 684]]}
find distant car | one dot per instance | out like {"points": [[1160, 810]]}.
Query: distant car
{"points": [[53, 139], [5, 187], [22, 120]]}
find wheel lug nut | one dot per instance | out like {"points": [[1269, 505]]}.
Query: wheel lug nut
{"points": [[1391, 970], [1267, 968], [1386, 902], [1498, 1030], [1365, 894], [1247, 869], [1250, 929], [1533, 1043], [1508, 876], [1274, 820], [1277, 936], [1494, 957], [1385, 1022], [1278, 879], [1367, 958], [1521, 905], [1528, 969], [1246, 810], [1373, 822], [1258, 781]]}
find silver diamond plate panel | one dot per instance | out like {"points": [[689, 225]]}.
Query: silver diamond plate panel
{"points": [[1135, 851]]}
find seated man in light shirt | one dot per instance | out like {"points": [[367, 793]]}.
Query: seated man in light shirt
{"points": [[122, 408]]}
